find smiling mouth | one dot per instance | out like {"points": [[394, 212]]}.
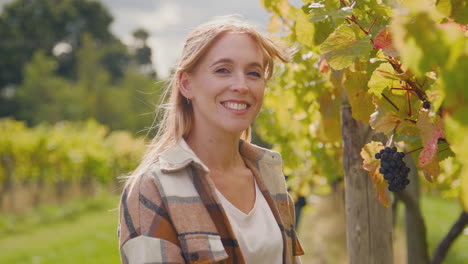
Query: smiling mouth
{"points": [[235, 106]]}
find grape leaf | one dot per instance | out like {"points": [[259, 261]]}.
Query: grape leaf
{"points": [[387, 121], [384, 122], [459, 11], [444, 7], [359, 99], [383, 78], [344, 46], [393, 111], [456, 131], [464, 187], [326, 9], [372, 166], [455, 80], [431, 170], [444, 151], [383, 41], [430, 133], [304, 29], [424, 44]]}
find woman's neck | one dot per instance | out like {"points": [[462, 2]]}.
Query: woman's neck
{"points": [[218, 151]]}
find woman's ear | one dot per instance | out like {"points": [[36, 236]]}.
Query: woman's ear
{"points": [[184, 85]]}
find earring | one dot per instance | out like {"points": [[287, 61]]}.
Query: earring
{"points": [[188, 100]]}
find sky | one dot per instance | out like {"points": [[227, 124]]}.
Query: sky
{"points": [[169, 21]]}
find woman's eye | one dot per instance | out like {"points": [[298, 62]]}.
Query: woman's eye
{"points": [[222, 70], [256, 74]]}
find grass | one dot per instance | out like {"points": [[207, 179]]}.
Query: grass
{"points": [[14, 223], [440, 215], [323, 235], [88, 237], [87, 233]]}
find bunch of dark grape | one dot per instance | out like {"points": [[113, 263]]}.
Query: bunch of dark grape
{"points": [[393, 168]]}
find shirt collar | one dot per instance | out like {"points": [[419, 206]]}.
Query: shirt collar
{"points": [[181, 155]]}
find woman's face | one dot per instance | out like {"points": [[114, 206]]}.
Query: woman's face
{"points": [[226, 89]]}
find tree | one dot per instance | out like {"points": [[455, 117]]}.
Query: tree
{"points": [[143, 53], [44, 96], [53, 26]]}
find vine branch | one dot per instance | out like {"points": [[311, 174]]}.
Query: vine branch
{"points": [[390, 101]]}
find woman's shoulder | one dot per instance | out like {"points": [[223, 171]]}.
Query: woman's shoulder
{"points": [[142, 180], [260, 154]]}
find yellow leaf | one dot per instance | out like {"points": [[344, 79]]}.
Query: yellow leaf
{"points": [[372, 166]]}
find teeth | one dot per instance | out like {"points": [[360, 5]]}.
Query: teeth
{"points": [[235, 106]]}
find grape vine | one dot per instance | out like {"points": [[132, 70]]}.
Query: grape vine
{"points": [[399, 63]]}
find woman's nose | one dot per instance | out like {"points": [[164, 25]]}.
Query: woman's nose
{"points": [[240, 83]]}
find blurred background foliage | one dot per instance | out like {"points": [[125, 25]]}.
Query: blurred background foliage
{"points": [[75, 105], [60, 61]]}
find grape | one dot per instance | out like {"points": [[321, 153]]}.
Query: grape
{"points": [[426, 104], [393, 168]]}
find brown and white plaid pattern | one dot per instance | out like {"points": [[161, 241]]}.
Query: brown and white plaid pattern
{"points": [[172, 215]]}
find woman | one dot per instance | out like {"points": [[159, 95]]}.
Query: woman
{"points": [[202, 193]]}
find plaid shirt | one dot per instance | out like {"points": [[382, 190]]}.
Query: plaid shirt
{"points": [[171, 214]]}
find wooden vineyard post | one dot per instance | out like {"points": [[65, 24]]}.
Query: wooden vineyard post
{"points": [[368, 223]]}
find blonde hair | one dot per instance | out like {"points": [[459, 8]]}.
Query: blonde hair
{"points": [[177, 114]]}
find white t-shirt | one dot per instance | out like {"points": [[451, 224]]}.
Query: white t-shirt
{"points": [[257, 232]]}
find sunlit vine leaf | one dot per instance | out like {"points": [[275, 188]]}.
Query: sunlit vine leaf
{"points": [[455, 80], [430, 133], [457, 132], [356, 90], [304, 29], [383, 78], [372, 166], [459, 11], [383, 41], [425, 44], [327, 9], [344, 46], [387, 118]]}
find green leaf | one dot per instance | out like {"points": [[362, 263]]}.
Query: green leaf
{"points": [[460, 11], [304, 29], [424, 45], [386, 117], [344, 46], [444, 7], [382, 79], [456, 134], [455, 80], [320, 13], [359, 99]]}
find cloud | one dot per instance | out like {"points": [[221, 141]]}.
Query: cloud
{"points": [[157, 20]]}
